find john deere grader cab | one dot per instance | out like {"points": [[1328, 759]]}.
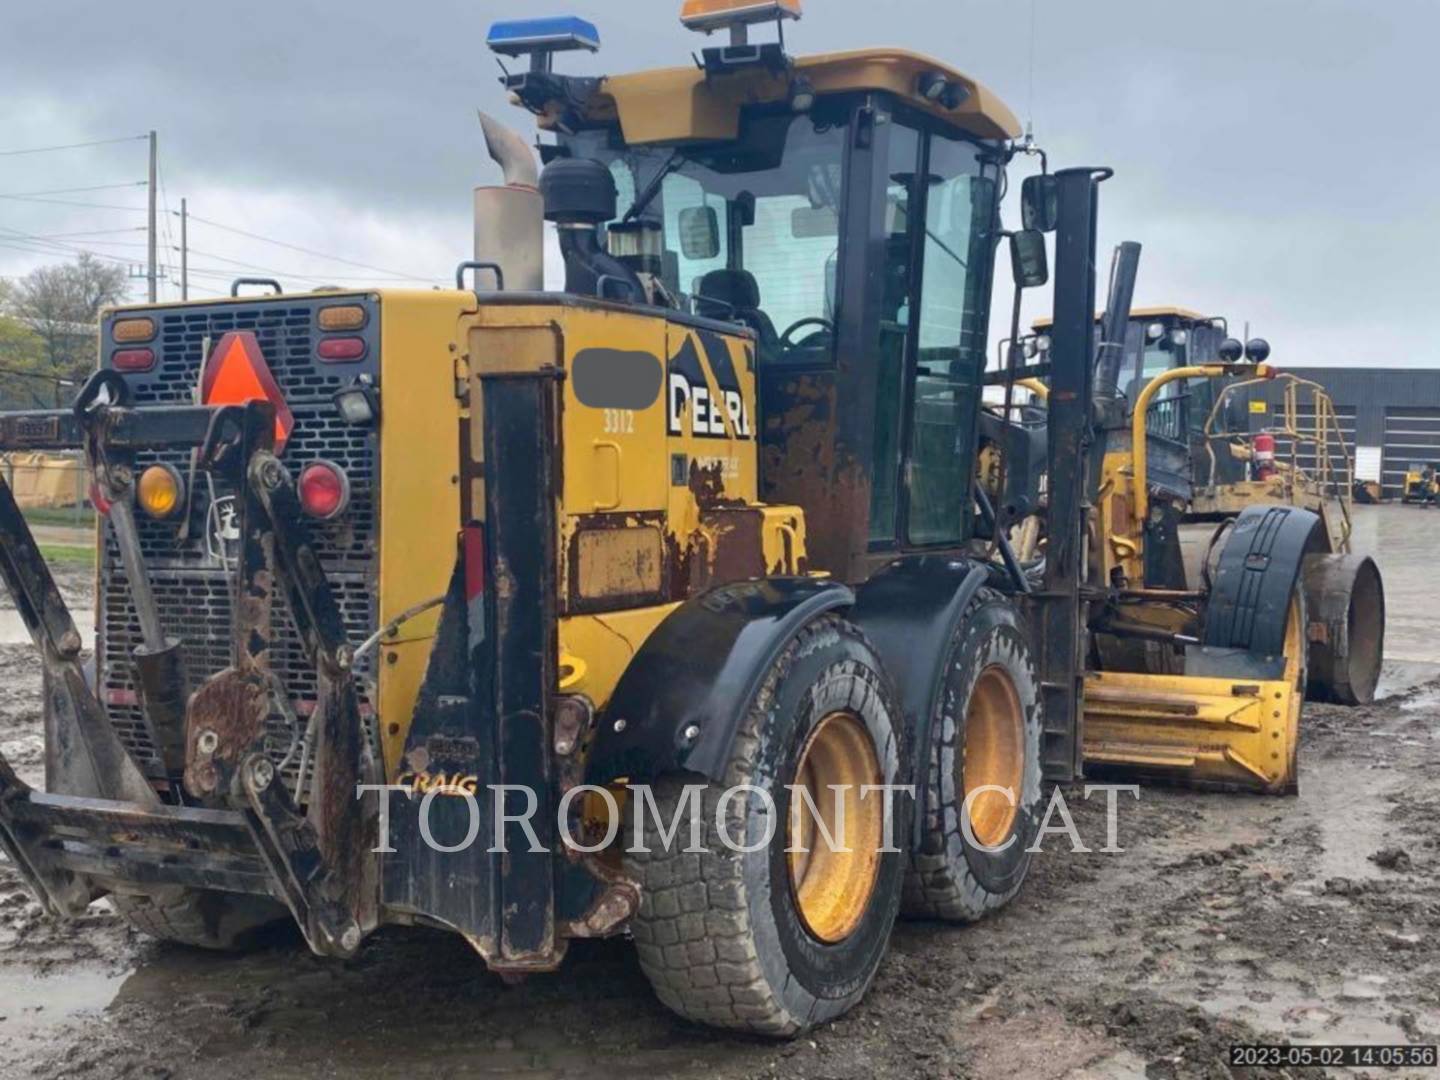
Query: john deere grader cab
{"points": [[535, 615]]}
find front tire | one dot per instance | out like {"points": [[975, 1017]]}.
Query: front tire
{"points": [[772, 941], [985, 735]]}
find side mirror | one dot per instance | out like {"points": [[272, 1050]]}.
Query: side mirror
{"points": [[1027, 258], [699, 233], [1040, 203]]}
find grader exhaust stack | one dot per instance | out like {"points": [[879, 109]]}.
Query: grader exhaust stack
{"points": [[509, 230]]}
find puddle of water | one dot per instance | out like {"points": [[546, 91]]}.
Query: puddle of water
{"points": [[34, 1006], [1325, 1017], [1426, 701], [1401, 540], [1351, 808], [1401, 676]]}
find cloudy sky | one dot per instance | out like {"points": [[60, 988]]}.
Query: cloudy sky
{"points": [[1277, 158]]}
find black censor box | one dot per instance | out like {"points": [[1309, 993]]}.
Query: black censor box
{"points": [[1320, 1056]]}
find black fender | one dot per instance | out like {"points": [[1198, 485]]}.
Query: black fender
{"points": [[910, 611], [1249, 604], [685, 692]]}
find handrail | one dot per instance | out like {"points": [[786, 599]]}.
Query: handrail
{"points": [[1209, 432], [1323, 433], [1138, 447], [1036, 387]]}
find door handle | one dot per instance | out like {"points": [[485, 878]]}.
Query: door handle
{"points": [[606, 444]]}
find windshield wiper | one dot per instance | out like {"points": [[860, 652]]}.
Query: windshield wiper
{"points": [[647, 194], [946, 248]]}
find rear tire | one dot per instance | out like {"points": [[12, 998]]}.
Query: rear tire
{"points": [[986, 730], [200, 918], [723, 935]]}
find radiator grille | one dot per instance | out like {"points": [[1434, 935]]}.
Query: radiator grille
{"points": [[191, 585], [286, 333]]}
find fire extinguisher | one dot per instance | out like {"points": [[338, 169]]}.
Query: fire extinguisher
{"points": [[1264, 456]]}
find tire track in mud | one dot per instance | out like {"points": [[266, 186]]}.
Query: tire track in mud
{"points": [[1225, 918]]}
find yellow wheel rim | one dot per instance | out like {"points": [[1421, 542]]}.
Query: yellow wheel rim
{"points": [[832, 884], [1296, 646], [994, 755]]}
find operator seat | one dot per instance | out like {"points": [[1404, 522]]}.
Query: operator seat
{"points": [[735, 295]]}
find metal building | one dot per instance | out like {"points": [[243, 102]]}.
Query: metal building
{"points": [[1390, 416]]}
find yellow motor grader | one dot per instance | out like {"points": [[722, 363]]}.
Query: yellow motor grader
{"points": [[539, 615], [1174, 477]]}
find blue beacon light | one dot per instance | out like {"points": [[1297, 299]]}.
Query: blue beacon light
{"points": [[541, 38]]}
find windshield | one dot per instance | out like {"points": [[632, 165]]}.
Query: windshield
{"points": [[751, 227]]}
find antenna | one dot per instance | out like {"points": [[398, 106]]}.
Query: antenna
{"points": [[1030, 90]]}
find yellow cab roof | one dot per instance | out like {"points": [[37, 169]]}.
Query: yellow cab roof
{"points": [[680, 104], [1162, 312]]}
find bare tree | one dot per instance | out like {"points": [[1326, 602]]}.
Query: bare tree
{"points": [[59, 304]]}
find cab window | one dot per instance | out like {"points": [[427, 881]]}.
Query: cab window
{"points": [[751, 227]]}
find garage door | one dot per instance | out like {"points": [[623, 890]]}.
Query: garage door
{"points": [[1411, 434], [1341, 443]]}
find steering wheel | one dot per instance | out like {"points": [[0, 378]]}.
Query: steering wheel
{"points": [[825, 325]]}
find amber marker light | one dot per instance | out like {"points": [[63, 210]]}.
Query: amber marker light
{"points": [[161, 492]]}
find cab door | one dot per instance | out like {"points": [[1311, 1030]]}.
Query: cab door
{"points": [[941, 230]]}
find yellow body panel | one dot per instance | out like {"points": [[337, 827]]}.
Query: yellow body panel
{"points": [[605, 644], [1220, 732], [680, 104], [656, 502], [1124, 537], [419, 491]]}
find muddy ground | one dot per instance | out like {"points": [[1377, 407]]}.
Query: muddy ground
{"points": [[1224, 919]]}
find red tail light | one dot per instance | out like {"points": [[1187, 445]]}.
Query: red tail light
{"points": [[324, 490], [474, 548], [340, 349], [132, 359]]}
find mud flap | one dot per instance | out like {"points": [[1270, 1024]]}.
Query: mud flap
{"points": [[482, 719]]}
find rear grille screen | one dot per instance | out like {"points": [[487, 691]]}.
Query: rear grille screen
{"points": [[192, 586]]}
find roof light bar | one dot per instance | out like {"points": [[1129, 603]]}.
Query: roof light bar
{"points": [[541, 38], [710, 15]]}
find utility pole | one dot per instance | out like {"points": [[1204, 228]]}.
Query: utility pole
{"points": [[184, 253], [150, 271]]}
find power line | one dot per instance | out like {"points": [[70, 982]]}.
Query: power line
{"points": [[33, 250], [39, 245], [309, 251], [105, 243], [92, 232], [25, 242], [246, 265], [71, 190], [75, 202], [72, 146]]}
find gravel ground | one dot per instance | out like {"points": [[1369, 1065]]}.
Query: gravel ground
{"points": [[1224, 919]]}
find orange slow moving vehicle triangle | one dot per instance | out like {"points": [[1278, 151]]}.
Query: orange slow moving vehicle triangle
{"points": [[236, 373]]}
